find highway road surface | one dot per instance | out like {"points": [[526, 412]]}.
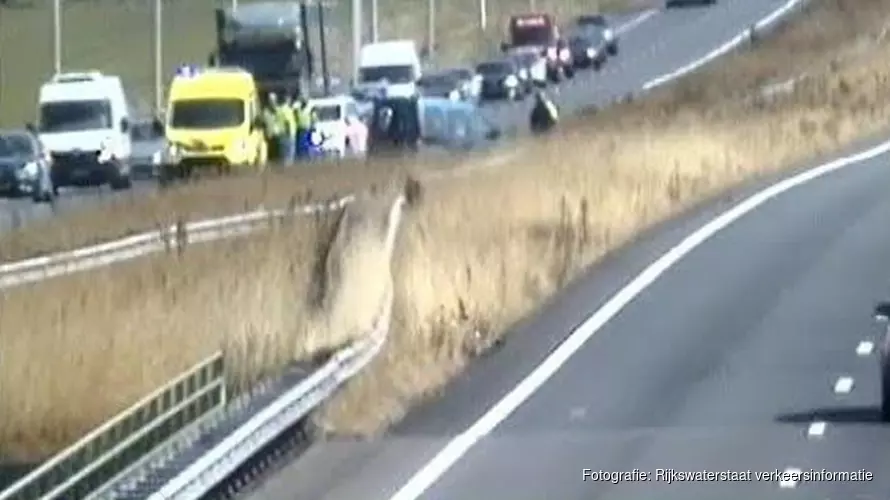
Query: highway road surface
{"points": [[653, 43], [753, 352]]}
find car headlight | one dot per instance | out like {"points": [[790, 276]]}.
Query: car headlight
{"points": [[29, 170], [106, 151], [591, 53], [564, 54], [172, 153], [511, 81], [608, 34], [454, 95], [241, 146], [523, 73]]}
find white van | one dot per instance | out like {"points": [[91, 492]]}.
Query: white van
{"points": [[84, 122], [395, 63]]}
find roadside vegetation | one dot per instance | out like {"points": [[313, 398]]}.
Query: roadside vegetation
{"points": [[463, 273]]}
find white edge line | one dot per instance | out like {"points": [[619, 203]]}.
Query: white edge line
{"points": [[843, 385], [430, 472], [633, 23], [724, 48], [790, 478], [816, 429], [865, 348]]}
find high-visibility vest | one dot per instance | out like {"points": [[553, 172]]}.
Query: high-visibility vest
{"points": [[270, 120], [305, 117], [285, 119]]}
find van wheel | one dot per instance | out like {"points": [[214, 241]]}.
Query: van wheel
{"points": [[121, 182]]}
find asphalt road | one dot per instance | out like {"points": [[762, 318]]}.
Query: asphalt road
{"points": [[753, 353], [654, 43], [692, 380]]}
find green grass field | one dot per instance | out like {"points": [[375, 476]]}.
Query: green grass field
{"points": [[115, 36]]}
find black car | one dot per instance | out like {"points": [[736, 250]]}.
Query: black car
{"points": [[588, 50], [440, 85], [597, 23], [501, 80], [882, 314], [532, 67], [681, 3]]}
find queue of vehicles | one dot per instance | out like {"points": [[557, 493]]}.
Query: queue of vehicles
{"points": [[87, 128]]}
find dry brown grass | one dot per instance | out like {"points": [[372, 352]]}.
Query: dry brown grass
{"points": [[80, 348], [461, 267], [464, 272]]}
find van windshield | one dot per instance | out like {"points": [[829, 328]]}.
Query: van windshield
{"points": [[206, 114], [72, 116], [392, 74], [328, 112]]}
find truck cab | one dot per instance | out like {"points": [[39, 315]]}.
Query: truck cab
{"points": [[268, 39], [84, 122], [540, 31]]}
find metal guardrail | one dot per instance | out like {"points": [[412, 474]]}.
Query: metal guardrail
{"points": [[201, 476], [171, 238], [121, 442]]}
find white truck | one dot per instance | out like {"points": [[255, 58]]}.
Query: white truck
{"points": [[394, 65]]}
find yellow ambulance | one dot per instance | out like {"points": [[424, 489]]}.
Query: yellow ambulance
{"points": [[213, 120]]}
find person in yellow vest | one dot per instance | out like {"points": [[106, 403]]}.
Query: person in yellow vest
{"points": [[271, 127], [285, 116]]}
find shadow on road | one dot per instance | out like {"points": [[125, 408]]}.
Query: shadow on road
{"points": [[838, 415]]}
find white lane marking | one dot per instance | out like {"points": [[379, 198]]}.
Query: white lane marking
{"points": [[843, 385], [633, 23], [865, 348], [460, 444], [816, 429], [790, 478], [722, 49]]}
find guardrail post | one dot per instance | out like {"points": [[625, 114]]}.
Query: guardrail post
{"points": [[181, 236]]}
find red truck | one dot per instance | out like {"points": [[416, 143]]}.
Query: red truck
{"points": [[541, 31]]}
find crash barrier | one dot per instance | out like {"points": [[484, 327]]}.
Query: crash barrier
{"points": [[120, 443], [172, 238], [194, 477]]}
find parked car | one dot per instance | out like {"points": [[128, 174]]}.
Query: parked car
{"points": [[469, 83], [148, 145], [25, 166], [532, 66], [440, 85], [500, 80], [599, 24], [588, 50]]}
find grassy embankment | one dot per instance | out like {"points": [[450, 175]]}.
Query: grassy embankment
{"points": [[461, 268]]}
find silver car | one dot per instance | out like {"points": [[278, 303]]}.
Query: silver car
{"points": [[25, 166]]}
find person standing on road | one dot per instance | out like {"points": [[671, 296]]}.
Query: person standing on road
{"points": [[304, 125], [285, 114], [271, 127]]}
